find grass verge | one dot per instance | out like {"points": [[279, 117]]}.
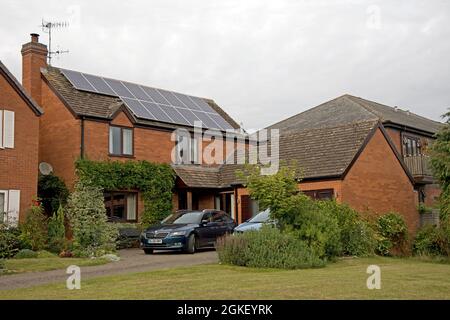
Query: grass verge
{"points": [[345, 279]]}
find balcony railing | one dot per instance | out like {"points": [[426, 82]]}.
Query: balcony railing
{"points": [[419, 166]]}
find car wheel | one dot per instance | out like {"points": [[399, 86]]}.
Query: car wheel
{"points": [[191, 244], [148, 251]]}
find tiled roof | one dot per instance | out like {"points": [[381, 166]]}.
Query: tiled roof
{"points": [[318, 153], [325, 152], [196, 176], [82, 103], [350, 109], [14, 82], [103, 106]]}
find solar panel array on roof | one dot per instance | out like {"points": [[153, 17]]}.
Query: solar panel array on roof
{"points": [[151, 103]]}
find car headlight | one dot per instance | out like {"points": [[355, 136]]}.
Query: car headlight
{"points": [[177, 233]]}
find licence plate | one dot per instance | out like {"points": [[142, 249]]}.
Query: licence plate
{"points": [[154, 240]]}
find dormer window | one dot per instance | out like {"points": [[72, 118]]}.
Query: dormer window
{"points": [[120, 141]]}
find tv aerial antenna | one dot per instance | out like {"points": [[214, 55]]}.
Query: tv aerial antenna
{"points": [[47, 27]]}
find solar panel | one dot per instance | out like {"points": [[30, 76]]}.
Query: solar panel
{"points": [[138, 109], [202, 104], [155, 95], [174, 114], [99, 84], [188, 115], [150, 103], [171, 98], [186, 101], [137, 91], [119, 88], [78, 80], [157, 111], [206, 121]]}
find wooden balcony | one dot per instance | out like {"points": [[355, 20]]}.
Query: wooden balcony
{"points": [[420, 168]]}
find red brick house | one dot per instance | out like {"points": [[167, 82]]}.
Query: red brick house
{"points": [[360, 152], [388, 167], [101, 119], [19, 140]]}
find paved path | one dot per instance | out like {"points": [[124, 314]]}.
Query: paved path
{"points": [[132, 260]]}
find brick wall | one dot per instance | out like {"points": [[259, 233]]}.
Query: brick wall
{"points": [[149, 144], [60, 136], [396, 138], [377, 183], [19, 166], [336, 185]]}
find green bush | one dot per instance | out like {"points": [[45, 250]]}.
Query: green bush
{"points": [[52, 192], [34, 229], [92, 234], [311, 221], [332, 229], [26, 254], [357, 237], [10, 242], [392, 234], [56, 232], [267, 248], [432, 241], [45, 254]]}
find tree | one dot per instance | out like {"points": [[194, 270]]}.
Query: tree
{"points": [[92, 234], [34, 229], [271, 191], [56, 231], [53, 193], [440, 162]]}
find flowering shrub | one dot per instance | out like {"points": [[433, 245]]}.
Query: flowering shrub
{"points": [[92, 234]]}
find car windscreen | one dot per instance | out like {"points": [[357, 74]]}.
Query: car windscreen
{"points": [[185, 217], [261, 217]]}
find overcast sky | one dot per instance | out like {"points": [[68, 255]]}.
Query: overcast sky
{"points": [[262, 61]]}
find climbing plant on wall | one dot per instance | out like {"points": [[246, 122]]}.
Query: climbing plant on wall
{"points": [[155, 181]]}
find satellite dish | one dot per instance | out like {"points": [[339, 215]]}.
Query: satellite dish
{"points": [[45, 168]]}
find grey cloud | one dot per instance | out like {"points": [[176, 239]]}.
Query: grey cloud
{"points": [[261, 60]]}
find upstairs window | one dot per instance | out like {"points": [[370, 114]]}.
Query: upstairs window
{"points": [[187, 150], [120, 141], [6, 129]]}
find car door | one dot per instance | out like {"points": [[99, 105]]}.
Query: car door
{"points": [[205, 231], [220, 221]]}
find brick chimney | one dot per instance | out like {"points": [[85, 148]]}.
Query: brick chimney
{"points": [[34, 57]]}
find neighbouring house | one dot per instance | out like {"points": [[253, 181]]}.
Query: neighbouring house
{"points": [[100, 119], [385, 167], [19, 145]]}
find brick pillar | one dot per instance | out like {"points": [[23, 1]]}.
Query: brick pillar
{"points": [[189, 200], [34, 57]]}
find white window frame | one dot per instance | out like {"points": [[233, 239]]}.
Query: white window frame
{"points": [[122, 141], [7, 126], [1, 129], [4, 210], [194, 151]]}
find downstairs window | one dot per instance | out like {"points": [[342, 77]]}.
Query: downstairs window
{"points": [[121, 206]]}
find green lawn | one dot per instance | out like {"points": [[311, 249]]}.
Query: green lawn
{"points": [[43, 264], [345, 279]]}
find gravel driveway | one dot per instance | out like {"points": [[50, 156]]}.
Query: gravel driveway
{"points": [[131, 261]]}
